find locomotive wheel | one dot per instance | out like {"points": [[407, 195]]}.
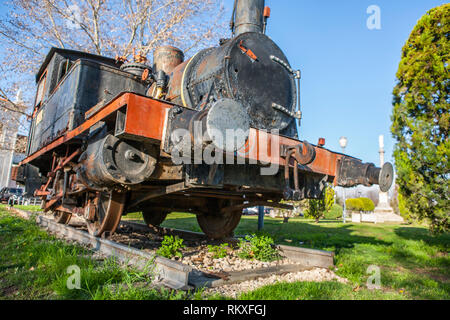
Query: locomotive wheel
{"points": [[62, 217], [154, 218], [107, 214], [219, 226]]}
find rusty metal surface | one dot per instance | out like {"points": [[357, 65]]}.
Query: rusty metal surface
{"points": [[108, 214], [62, 217], [227, 72], [291, 193], [145, 118], [166, 58], [219, 226], [124, 99], [352, 172], [249, 16], [265, 147], [259, 148], [118, 156], [174, 87], [14, 173], [167, 171], [109, 161], [135, 68]]}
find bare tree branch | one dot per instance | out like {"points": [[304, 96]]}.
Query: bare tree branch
{"points": [[104, 27]]}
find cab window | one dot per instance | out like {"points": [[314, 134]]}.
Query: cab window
{"points": [[41, 90]]}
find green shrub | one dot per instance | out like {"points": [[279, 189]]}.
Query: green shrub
{"points": [[368, 204], [334, 213], [317, 208], [218, 251], [171, 247], [258, 247], [329, 198], [360, 204], [354, 204]]}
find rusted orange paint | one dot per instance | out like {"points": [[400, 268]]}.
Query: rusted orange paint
{"points": [[248, 52], [259, 148], [145, 117]]}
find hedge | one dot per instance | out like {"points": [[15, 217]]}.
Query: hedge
{"points": [[360, 204], [368, 204]]}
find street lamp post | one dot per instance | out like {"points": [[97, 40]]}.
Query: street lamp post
{"points": [[343, 143]]}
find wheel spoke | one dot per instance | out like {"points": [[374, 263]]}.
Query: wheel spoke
{"points": [[62, 217], [107, 216]]}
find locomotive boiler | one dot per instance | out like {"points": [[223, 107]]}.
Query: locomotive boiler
{"points": [[210, 135]]}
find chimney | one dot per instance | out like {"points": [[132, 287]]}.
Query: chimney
{"points": [[249, 16]]}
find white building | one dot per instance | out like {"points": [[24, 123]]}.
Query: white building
{"points": [[12, 145]]}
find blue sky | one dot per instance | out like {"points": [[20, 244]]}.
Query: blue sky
{"points": [[348, 71]]}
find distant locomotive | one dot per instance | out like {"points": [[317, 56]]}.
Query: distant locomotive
{"points": [[105, 134]]}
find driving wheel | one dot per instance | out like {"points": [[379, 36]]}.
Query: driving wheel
{"points": [[218, 226], [154, 217], [62, 217], [106, 213]]}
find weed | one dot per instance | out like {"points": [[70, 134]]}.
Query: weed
{"points": [[218, 251], [258, 247], [171, 247]]}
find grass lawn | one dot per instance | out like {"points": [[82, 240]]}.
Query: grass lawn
{"points": [[34, 265], [412, 263]]}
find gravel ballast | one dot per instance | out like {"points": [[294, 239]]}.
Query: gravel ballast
{"points": [[313, 275]]}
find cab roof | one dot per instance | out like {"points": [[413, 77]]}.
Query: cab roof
{"points": [[75, 54]]}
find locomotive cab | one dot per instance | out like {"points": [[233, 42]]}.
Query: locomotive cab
{"points": [[68, 84]]}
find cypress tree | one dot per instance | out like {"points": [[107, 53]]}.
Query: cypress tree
{"points": [[421, 120]]}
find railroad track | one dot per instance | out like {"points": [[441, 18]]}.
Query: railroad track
{"points": [[174, 274]]}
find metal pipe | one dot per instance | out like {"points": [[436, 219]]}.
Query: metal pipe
{"points": [[260, 218], [249, 16], [353, 172]]}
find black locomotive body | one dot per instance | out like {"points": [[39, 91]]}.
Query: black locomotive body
{"points": [[69, 84], [105, 134]]}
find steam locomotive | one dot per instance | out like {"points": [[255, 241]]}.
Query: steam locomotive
{"points": [[211, 135]]}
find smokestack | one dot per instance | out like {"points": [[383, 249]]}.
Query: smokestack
{"points": [[249, 16]]}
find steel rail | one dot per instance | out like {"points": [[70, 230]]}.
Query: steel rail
{"points": [[173, 274]]}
